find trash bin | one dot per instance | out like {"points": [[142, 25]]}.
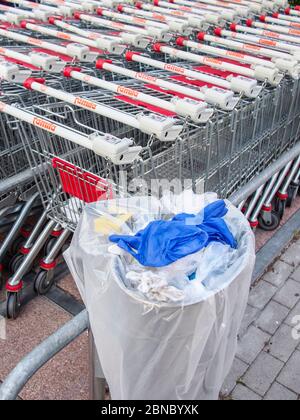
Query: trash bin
{"points": [[161, 350]]}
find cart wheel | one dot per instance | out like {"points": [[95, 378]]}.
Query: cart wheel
{"points": [[290, 199], [16, 245], [279, 208], [292, 192], [43, 281], [269, 225], [13, 305], [15, 263], [49, 245]]}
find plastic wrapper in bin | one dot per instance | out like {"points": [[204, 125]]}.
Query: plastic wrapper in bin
{"points": [[180, 348]]}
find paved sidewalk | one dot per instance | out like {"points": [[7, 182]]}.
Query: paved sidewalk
{"points": [[267, 366]]}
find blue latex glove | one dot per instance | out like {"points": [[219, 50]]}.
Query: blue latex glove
{"points": [[210, 220], [164, 242]]}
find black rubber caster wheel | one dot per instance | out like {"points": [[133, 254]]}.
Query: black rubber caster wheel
{"points": [[292, 194], [49, 245], [13, 305], [291, 197], [16, 245], [15, 263], [43, 281], [269, 225], [279, 208]]}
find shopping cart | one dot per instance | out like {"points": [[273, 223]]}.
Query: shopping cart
{"points": [[76, 27], [144, 28], [17, 187], [178, 21], [121, 151], [208, 10], [17, 184], [266, 207]]}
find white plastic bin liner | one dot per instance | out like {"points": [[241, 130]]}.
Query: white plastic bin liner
{"points": [[161, 351]]}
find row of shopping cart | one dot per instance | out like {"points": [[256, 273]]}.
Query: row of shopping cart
{"points": [[100, 99]]}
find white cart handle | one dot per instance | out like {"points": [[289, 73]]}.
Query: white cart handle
{"points": [[220, 97], [102, 43], [110, 43], [195, 110], [236, 84], [41, 60], [119, 151]]}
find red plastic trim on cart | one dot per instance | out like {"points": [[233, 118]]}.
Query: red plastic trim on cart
{"points": [[100, 63], [181, 40], [48, 266], [130, 54], [14, 289], [23, 24], [80, 184], [28, 82], [24, 251], [157, 47], [57, 233], [232, 61], [218, 31], [151, 108], [193, 82], [97, 50], [7, 25], [214, 72], [25, 233], [68, 70], [200, 36], [253, 224], [52, 19], [77, 15], [281, 196], [266, 209]]}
